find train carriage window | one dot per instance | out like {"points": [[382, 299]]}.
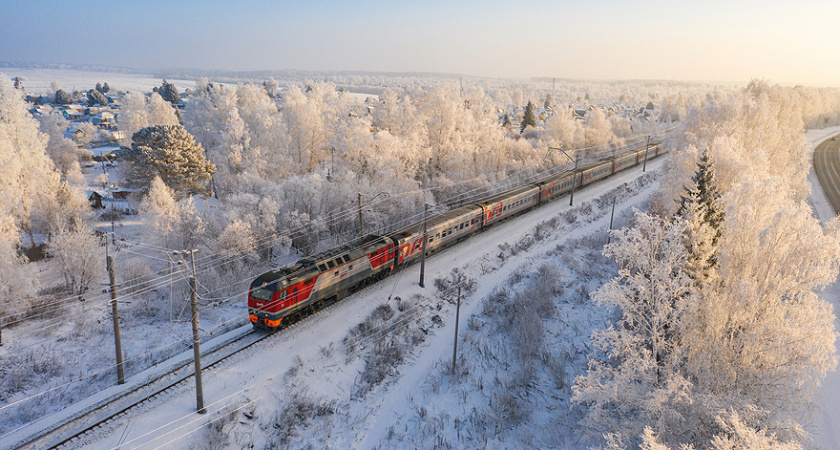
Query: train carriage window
{"points": [[346, 258], [330, 264], [309, 281], [336, 273], [461, 227], [351, 267], [322, 267], [437, 236], [294, 294]]}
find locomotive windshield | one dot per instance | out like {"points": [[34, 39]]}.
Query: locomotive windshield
{"points": [[263, 294]]}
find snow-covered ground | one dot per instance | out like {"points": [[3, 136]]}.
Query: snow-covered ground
{"points": [[311, 384], [312, 365], [827, 422]]}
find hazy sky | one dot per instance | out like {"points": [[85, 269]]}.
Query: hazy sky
{"points": [[728, 40]]}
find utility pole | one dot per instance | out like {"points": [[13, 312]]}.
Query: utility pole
{"points": [[361, 223], [117, 344], [574, 172], [199, 395], [612, 214], [457, 314], [423, 249], [644, 166], [574, 180]]}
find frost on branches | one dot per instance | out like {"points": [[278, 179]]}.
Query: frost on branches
{"points": [[170, 152], [731, 358], [641, 380]]}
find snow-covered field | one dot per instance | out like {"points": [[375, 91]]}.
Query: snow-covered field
{"points": [[39, 80]]}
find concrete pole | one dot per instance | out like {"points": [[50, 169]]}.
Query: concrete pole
{"points": [[457, 314], [612, 214], [199, 395], [644, 166], [361, 223], [574, 180], [423, 250], [116, 316]]}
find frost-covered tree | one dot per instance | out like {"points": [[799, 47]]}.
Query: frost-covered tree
{"points": [[161, 112], [134, 115], [79, 257], [18, 280], [598, 131], [762, 339], [25, 166], [170, 152], [271, 87], [87, 133], [159, 212], [640, 381], [64, 153]]}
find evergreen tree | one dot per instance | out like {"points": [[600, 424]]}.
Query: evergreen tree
{"points": [[62, 97], [701, 209], [528, 118], [547, 103], [170, 152], [105, 88], [96, 98], [506, 121], [98, 87], [18, 83], [169, 92]]}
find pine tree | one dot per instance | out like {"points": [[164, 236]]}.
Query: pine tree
{"points": [[105, 88], [701, 209], [528, 118], [170, 152], [62, 97], [547, 103], [96, 98], [169, 92], [98, 87], [506, 121]]}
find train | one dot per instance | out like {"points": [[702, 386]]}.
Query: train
{"points": [[280, 296]]}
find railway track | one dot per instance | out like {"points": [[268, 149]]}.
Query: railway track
{"points": [[827, 168], [67, 433]]}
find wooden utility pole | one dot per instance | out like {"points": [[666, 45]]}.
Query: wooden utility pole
{"points": [[457, 314], [423, 249], [644, 166], [116, 316]]}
